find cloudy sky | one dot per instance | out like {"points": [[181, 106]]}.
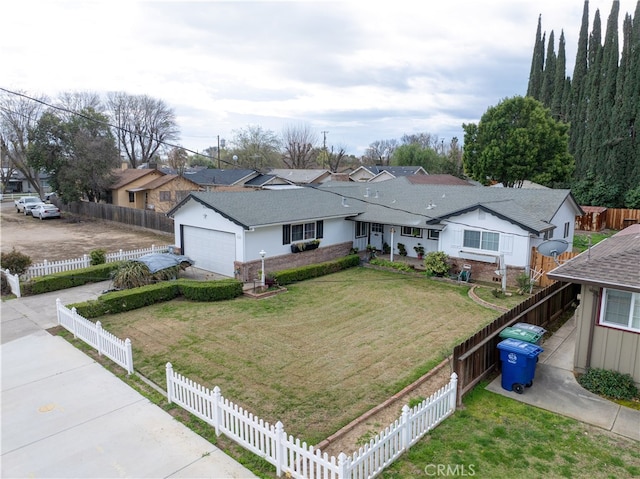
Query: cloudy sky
{"points": [[360, 70]]}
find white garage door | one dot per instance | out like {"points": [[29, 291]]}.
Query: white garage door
{"points": [[211, 250]]}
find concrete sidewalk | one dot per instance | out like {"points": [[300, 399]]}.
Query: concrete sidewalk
{"points": [[64, 415], [556, 389]]}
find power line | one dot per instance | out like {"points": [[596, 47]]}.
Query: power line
{"points": [[106, 123]]}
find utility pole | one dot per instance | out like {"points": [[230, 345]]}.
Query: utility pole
{"points": [[218, 150], [324, 148]]}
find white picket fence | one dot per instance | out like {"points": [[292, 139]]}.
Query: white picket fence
{"points": [[51, 267], [297, 459], [14, 282], [93, 334]]}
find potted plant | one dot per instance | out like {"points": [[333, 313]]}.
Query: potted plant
{"points": [[371, 250], [419, 249]]}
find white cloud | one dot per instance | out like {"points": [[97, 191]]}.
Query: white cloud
{"points": [[362, 70]]}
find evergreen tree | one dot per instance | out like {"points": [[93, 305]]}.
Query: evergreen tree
{"points": [[605, 150], [537, 64], [632, 100], [591, 137], [549, 74], [558, 99], [577, 105]]}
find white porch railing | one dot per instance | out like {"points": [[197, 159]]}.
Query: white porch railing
{"points": [[14, 282], [114, 348], [51, 267], [296, 459]]}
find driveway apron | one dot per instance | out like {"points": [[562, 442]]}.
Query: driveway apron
{"points": [[64, 415]]}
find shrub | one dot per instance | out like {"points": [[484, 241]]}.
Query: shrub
{"points": [[293, 275], [609, 383], [400, 266], [15, 261], [524, 283], [497, 293], [69, 279], [98, 256], [402, 249], [210, 290], [4, 284], [436, 262]]}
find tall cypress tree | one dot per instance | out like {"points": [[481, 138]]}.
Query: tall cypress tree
{"points": [[631, 110], [604, 148], [537, 64], [549, 74], [558, 99], [577, 106], [591, 138]]}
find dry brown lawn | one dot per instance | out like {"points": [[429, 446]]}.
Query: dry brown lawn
{"points": [[314, 357]]}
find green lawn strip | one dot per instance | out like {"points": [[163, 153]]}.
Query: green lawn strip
{"points": [[509, 302], [581, 240], [315, 357], [494, 436]]}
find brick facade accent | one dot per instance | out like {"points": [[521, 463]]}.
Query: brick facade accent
{"points": [[248, 271], [485, 272]]}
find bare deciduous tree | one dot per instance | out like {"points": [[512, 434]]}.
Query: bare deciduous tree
{"points": [[381, 151], [143, 125], [73, 102], [336, 157], [178, 159], [299, 146], [19, 115]]}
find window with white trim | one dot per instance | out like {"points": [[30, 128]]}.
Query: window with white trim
{"points": [[433, 234], [620, 309], [409, 231], [292, 233], [362, 229], [481, 240], [377, 228]]}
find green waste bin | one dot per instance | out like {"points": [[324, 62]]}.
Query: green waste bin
{"points": [[530, 327], [521, 334]]}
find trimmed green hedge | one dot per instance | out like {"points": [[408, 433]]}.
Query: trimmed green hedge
{"points": [[293, 275], [129, 299], [69, 279]]}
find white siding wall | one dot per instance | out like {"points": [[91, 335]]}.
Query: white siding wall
{"points": [[514, 241]]}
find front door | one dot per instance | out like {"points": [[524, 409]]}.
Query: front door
{"points": [[376, 236]]}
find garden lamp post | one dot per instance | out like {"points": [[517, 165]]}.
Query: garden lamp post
{"points": [[262, 255]]}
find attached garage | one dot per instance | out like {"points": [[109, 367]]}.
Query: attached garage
{"points": [[211, 250]]}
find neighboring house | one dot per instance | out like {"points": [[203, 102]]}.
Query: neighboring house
{"points": [[18, 183], [485, 226], [149, 189], [608, 318], [213, 178], [373, 173], [302, 176]]}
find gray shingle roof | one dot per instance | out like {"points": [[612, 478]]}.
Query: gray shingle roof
{"points": [[396, 202], [614, 262]]}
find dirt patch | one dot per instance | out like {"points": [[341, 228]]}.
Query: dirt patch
{"points": [[70, 237]]}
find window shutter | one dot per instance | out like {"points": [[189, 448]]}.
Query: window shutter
{"points": [[286, 234], [319, 227], [506, 243]]}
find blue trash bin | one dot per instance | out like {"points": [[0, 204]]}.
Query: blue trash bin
{"points": [[519, 360]]}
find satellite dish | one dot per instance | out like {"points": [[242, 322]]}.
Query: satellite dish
{"points": [[553, 247]]}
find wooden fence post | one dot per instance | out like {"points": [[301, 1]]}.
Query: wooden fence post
{"points": [[343, 466], [169, 370], [406, 428], [453, 391], [46, 267]]}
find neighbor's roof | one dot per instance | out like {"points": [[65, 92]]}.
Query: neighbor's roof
{"points": [[124, 177], [215, 176], [437, 180], [395, 202], [300, 176], [163, 180], [614, 262]]}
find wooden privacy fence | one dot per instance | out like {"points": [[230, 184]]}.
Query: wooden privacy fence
{"points": [[600, 218], [52, 267], [541, 265], [296, 459], [130, 216], [103, 341], [478, 356]]}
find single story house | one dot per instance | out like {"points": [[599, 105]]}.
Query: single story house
{"points": [[224, 231], [149, 189], [373, 174], [608, 318]]}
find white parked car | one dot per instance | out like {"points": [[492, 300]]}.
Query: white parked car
{"points": [[45, 210], [21, 204], [28, 208]]}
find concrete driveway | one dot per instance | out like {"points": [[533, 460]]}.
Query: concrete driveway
{"points": [[64, 415]]}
